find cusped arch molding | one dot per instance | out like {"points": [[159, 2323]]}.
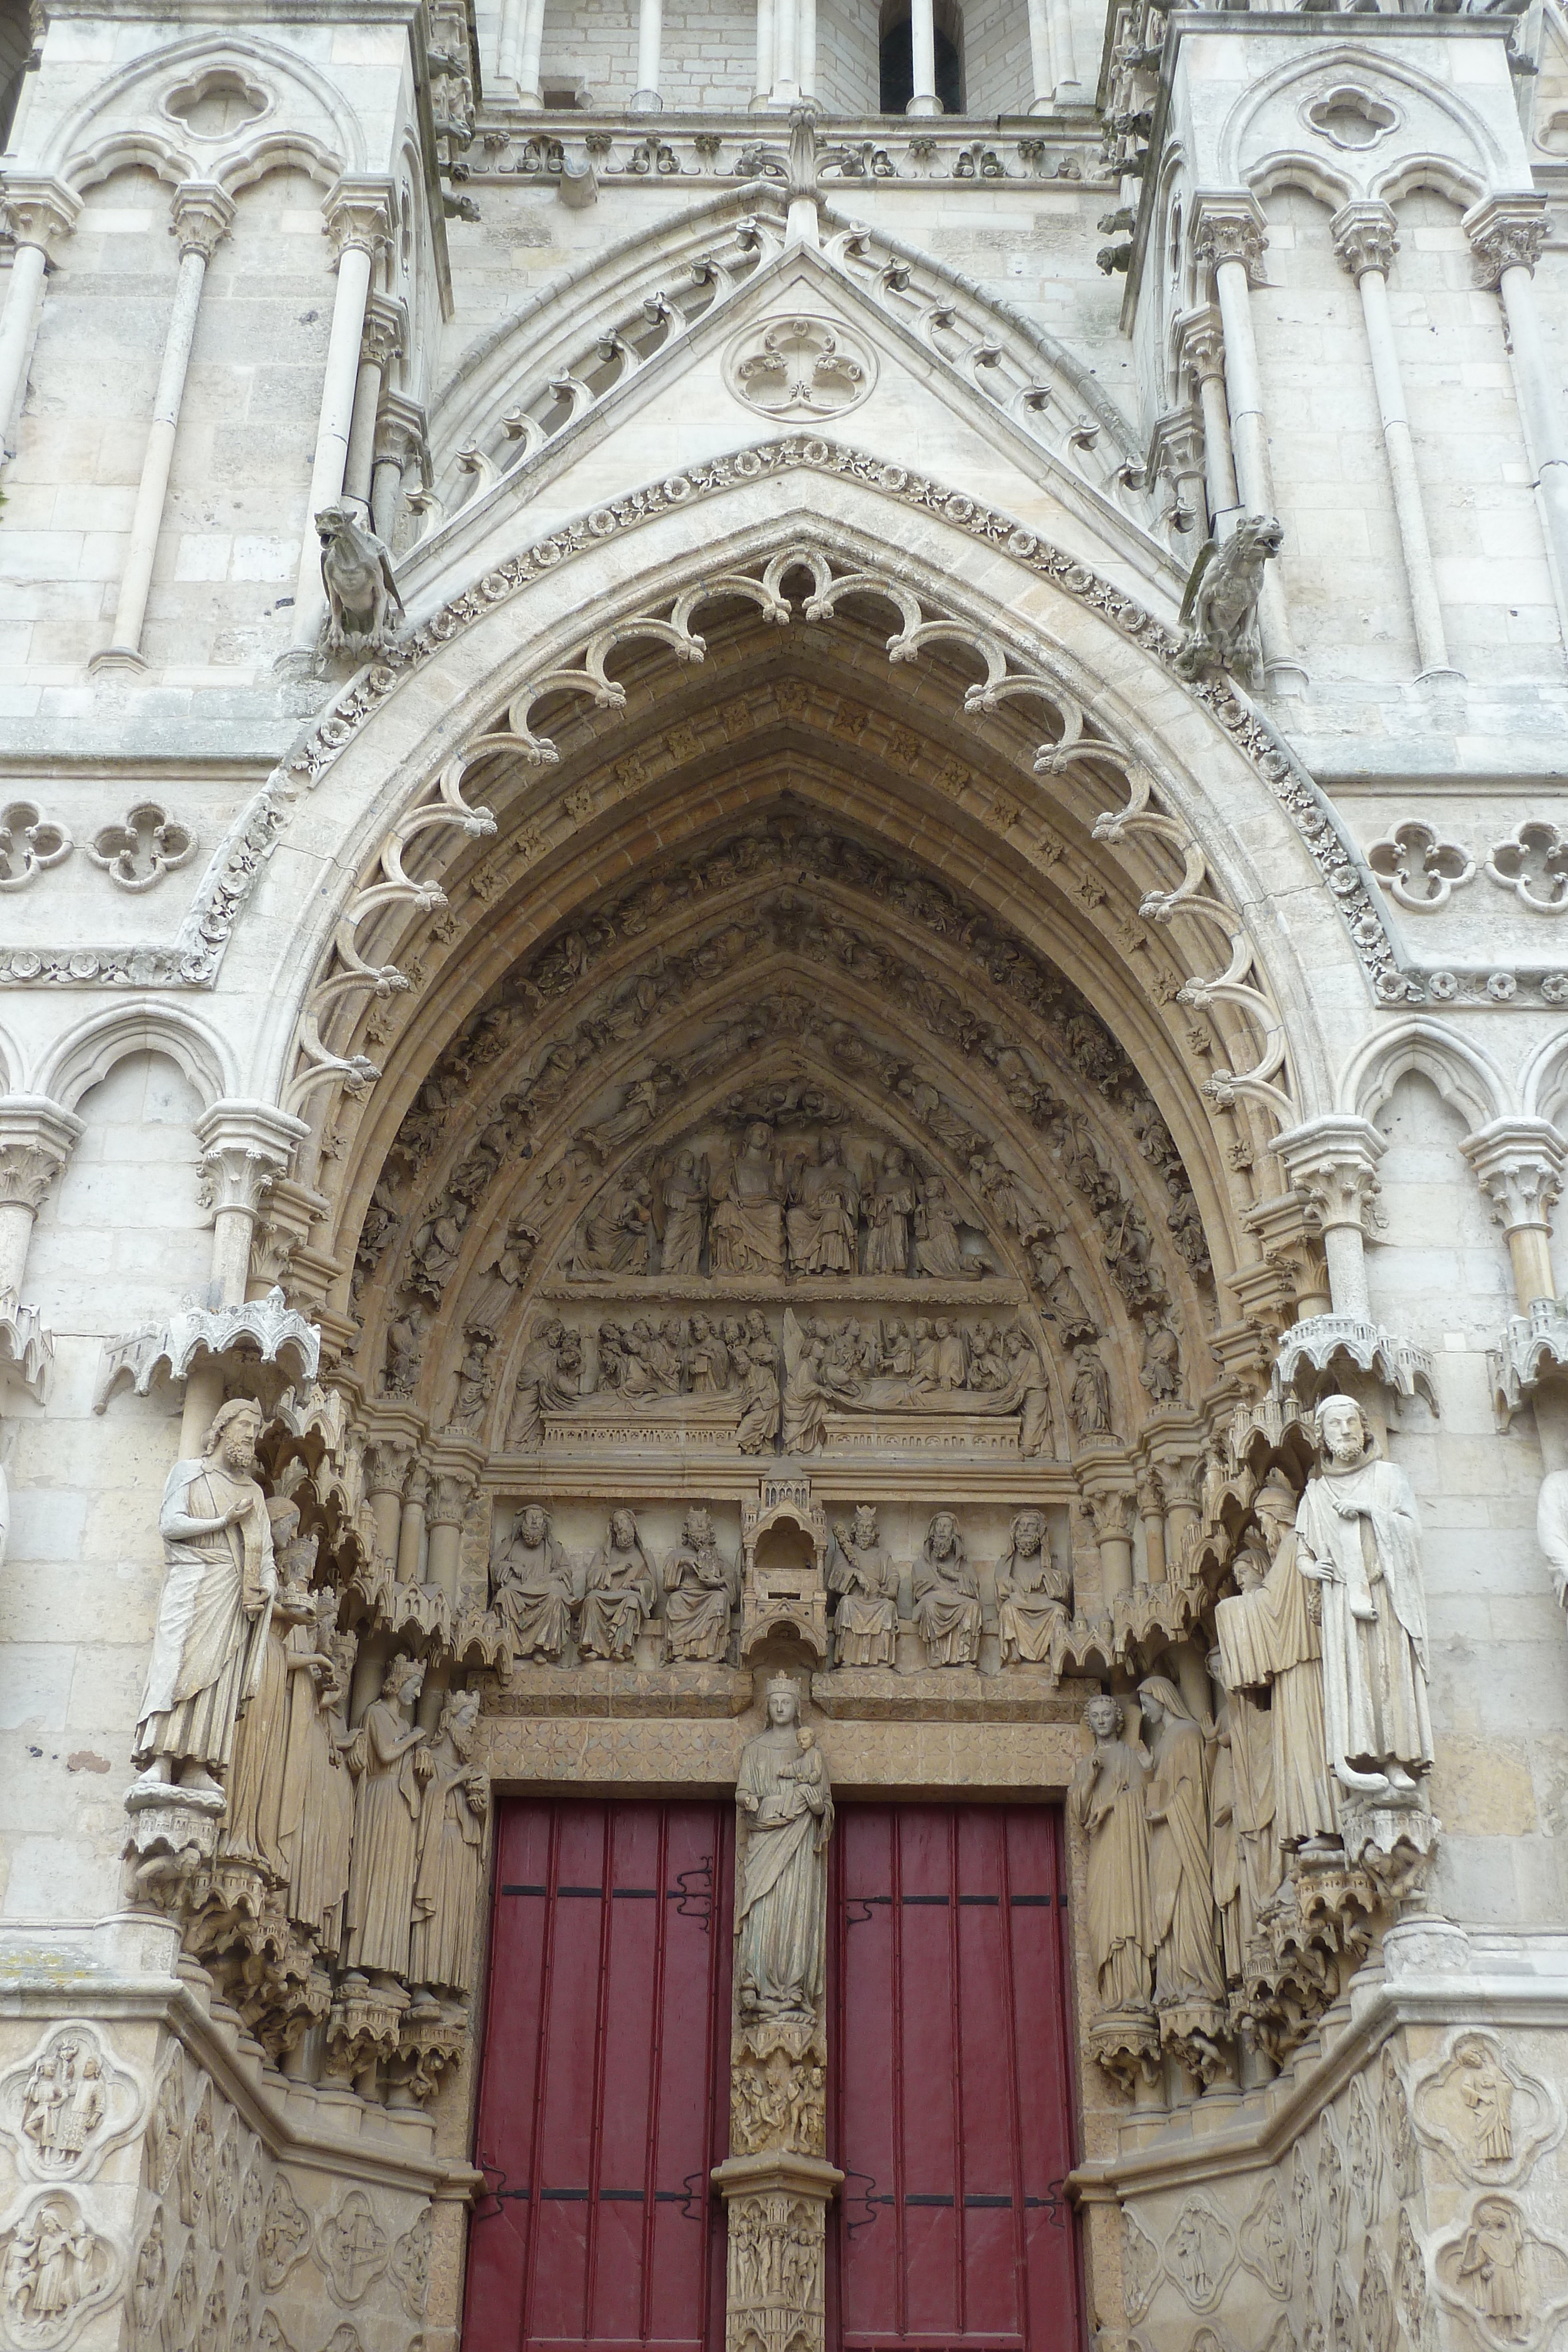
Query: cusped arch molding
{"points": [[1467, 1078], [1428, 116], [790, 948], [518, 401], [87, 1052]]}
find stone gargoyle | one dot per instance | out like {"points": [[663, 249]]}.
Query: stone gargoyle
{"points": [[1219, 610], [357, 573]]}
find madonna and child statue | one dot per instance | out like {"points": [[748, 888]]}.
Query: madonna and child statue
{"points": [[784, 1818]]}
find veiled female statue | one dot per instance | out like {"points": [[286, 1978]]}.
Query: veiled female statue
{"points": [[784, 1818], [1107, 1801], [746, 1230], [386, 1824], [1181, 1870], [947, 1597], [1033, 1594]]}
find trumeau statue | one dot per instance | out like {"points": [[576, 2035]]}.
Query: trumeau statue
{"points": [[532, 1588], [1106, 1799], [209, 1644], [1034, 1595], [621, 1590], [861, 1571], [785, 1817], [1359, 1539]]}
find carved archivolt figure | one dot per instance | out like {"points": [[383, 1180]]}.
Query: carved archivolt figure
{"points": [[1160, 1370], [745, 1232], [947, 1597], [1090, 1394], [212, 1625], [1106, 1799], [1358, 1537], [621, 1590], [861, 1571], [889, 1210], [784, 1810], [1268, 1639], [824, 1206], [700, 1588], [549, 1381], [1034, 1596], [386, 1755], [451, 1854], [532, 1587], [1181, 1889]]}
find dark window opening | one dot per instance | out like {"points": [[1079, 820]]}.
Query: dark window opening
{"points": [[897, 59]]}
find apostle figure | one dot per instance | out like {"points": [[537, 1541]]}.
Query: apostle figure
{"points": [[1034, 1596], [316, 1815], [451, 1854], [824, 1207], [784, 1818], [532, 1587], [947, 1597], [710, 1361], [550, 1380], [861, 1571], [386, 1824], [622, 1590], [1107, 1801], [1224, 1849], [1358, 1537], [1181, 1887], [745, 1232], [251, 1831], [1268, 1639], [700, 1588], [207, 1648], [890, 1208], [679, 1214]]}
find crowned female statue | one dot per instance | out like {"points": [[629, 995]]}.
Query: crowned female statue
{"points": [[784, 1818]]}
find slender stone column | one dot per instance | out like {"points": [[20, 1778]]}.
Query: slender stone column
{"points": [[411, 1532], [386, 1467], [645, 99], [1519, 1165], [1333, 1161], [245, 1145], [1506, 235], [1053, 61], [517, 56], [1112, 1516], [1228, 238], [806, 62], [359, 221], [448, 1503], [762, 95], [37, 211], [1201, 346], [37, 1139], [1151, 1511], [386, 323], [923, 50], [201, 216], [1365, 240], [1039, 71], [400, 435]]}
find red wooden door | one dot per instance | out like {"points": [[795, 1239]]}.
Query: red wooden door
{"points": [[602, 2102], [950, 2081]]}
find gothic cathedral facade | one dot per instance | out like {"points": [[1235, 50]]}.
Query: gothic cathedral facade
{"points": [[783, 1078]]}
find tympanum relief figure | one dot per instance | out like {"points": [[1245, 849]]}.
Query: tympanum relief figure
{"points": [[209, 1642], [947, 1597], [700, 1591], [821, 1221], [861, 1573], [747, 1225], [1034, 1594], [550, 1380], [621, 1590], [532, 1587], [680, 1204]]}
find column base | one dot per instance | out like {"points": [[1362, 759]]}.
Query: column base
{"points": [[1286, 677], [1440, 678], [646, 101], [122, 661], [924, 107], [1069, 93]]}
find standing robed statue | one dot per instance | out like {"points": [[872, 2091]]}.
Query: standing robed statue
{"points": [[785, 1809]]}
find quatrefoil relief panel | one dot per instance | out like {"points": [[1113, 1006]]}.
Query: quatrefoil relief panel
{"points": [[1419, 869], [1533, 864], [799, 367], [149, 845], [1350, 118], [29, 843]]}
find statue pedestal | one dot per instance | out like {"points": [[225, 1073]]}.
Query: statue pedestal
{"points": [[778, 2208]]}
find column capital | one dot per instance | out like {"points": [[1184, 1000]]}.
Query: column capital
{"points": [[359, 212], [1175, 444], [449, 1498], [1366, 236], [1334, 1162], [37, 209], [1200, 343], [1519, 1166], [1506, 232], [387, 1463], [1230, 227], [245, 1145], [203, 216], [385, 328], [37, 1139]]}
